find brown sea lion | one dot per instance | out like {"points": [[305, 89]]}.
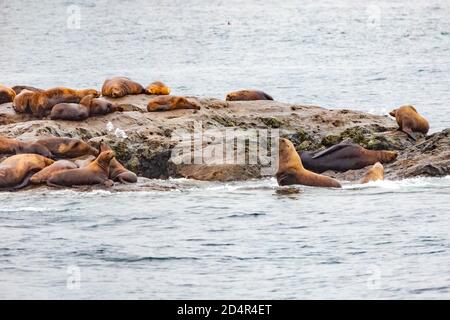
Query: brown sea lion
{"points": [[19, 89], [67, 147], [410, 121], [376, 172], [118, 87], [97, 106], [69, 111], [117, 172], [13, 146], [166, 103], [96, 172], [291, 170], [6, 94], [247, 95], [15, 171], [41, 103], [157, 88], [43, 175], [343, 157]]}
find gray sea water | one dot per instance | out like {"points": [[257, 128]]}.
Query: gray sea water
{"points": [[237, 240]]}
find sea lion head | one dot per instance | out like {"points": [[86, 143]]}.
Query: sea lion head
{"points": [[388, 156], [393, 113], [104, 147], [42, 150], [105, 158], [185, 103]]}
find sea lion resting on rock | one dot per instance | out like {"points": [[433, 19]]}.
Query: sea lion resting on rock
{"points": [[41, 103], [166, 103], [15, 171], [157, 88], [410, 121], [247, 95], [88, 106], [96, 172], [6, 94], [13, 146], [119, 87], [117, 172], [343, 157], [19, 89], [67, 147], [291, 170], [69, 111], [376, 172], [43, 175]]}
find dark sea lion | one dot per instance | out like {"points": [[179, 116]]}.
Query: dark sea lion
{"points": [[343, 157], [291, 170], [41, 103], [67, 147], [6, 94], [247, 95], [98, 106], [410, 121], [96, 172], [19, 89], [16, 171], [118, 87], [166, 103], [117, 172], [157, 88], [376, 172], [13, 146], [69, 111], [43, 175]]}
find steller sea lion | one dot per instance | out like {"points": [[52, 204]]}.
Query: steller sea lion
{"points": [[97, 106], [166, 103], [247, 95], [15, 171], [373, 174], [6, 94], [13, 146], [157, 88], [117, 172], [96, 172], [69, 111], [19, 89], [67, 147], [41, 103], [119, 87], [343, 157], [291, 170], [43, 175], [410, 121]]}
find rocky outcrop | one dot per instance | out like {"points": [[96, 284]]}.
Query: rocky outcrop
{"points": [[143, 140]]}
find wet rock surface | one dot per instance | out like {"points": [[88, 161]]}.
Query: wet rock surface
{"points": [[143, 141]]}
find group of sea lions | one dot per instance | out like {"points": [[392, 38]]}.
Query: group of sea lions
{"points": [[101, 167], [306, 168], [77, 164]]}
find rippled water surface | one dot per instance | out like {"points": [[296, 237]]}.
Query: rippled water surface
{"points": [[242, 240]]}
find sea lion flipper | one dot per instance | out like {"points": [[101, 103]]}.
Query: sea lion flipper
{"points": [[329, 150], [410, 133], [25, 181]]}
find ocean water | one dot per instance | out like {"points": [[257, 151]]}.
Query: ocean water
{"points": [[237, 240]]}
